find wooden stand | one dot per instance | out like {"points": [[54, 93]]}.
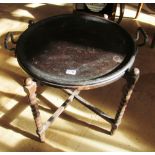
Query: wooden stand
{"points": [[31, 87]]}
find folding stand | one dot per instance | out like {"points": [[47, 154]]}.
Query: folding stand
{"points": [[31, 87]]}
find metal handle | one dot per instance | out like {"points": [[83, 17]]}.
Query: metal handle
{"points": [[145, 37], [9, 36]]}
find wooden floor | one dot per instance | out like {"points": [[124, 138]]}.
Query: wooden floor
{"points": [[76, 129]]}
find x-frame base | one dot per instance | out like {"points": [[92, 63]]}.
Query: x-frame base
{"points": [[131, 77]]}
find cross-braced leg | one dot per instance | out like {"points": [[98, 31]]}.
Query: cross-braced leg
{"points": [[131, 77], [30, 88], [60, 110]]}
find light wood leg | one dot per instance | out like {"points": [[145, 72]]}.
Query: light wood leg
{"points": [[30, 88], [132, 78]]}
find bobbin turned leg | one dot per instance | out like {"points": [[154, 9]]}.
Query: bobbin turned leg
{"points": [[131, 77], [30, 88]]}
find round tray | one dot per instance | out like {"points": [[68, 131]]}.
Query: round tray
{"points": [[75, 51]]}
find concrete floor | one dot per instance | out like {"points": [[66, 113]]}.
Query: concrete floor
{"points": [[74, 130]]}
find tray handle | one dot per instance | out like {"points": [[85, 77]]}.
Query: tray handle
{"points": [[145, 37], [9, 36]]}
